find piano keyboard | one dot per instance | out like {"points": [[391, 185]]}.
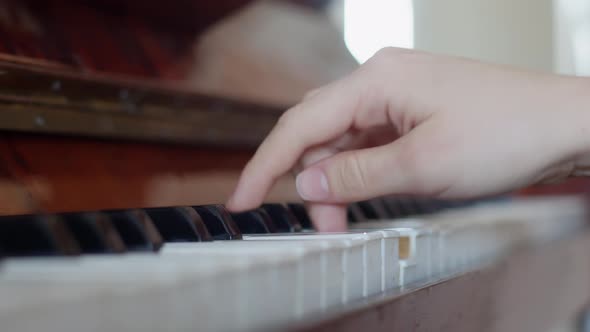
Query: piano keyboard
{"points": [[203, 268]]}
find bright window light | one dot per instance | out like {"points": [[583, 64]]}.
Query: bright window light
{"points": [[370, 25]]}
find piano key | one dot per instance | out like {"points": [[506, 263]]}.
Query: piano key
{"points": [[323, 276], [367, 210], [94, 232], [300, 212], [25, 236], [416, 242], [177, 224], [219, 222], [391, 208], [415, 206], [176, 292], [376, 251], [373, 209], [284, 220], [151, 232], [427, 206], [225, 216], [398, 206], [354, 213], [350, 216], [253, 222], [63, 237], [303, 273], [131, 230], [267, 220], [176, 287]]}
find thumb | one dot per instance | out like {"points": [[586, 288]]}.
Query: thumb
{"points": [[356, 175]]}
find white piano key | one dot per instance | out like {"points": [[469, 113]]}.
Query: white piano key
{"points": [[300, 280], [374, 251], [267, 281], [326, 280], [389, 260], [349, 274], [140, 293], [416, 246]]}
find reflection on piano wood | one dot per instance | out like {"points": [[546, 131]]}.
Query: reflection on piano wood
{"points": [[485, 266]]}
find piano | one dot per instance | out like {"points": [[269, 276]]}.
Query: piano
{"points": [[114, 169]]}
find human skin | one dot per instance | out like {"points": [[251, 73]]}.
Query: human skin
{"points": [[408, 122]]}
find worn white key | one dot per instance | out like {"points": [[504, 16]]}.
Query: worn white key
{"points": [[349, 274], [374, 251], [416, 245], [326, 280], [145, 293], [300, 273]]}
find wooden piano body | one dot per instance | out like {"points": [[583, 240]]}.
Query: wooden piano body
{"points": [[97, 113]]}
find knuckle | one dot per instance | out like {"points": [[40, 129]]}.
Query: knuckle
{"points": [[386, 53], [310, 94], [286, 118], [425, 171], [398, 59], [350, 176]]}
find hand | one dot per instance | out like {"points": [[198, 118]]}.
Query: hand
{"points": [[413, 123]]}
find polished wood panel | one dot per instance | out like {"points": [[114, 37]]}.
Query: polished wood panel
{"points": [[50, 100], [57, 174], [84, 36]]}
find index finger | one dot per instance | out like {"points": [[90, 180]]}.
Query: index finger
{"points": [[321, 118]]}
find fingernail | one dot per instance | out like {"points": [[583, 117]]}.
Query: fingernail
{"points": [[312, 185]]}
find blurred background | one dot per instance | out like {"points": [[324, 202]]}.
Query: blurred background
{"points": [[294, 46], [288, 46]]}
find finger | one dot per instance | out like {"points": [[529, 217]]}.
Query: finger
{"points": [[311, 93], [319, 119], [359, 174], [328, 217]]}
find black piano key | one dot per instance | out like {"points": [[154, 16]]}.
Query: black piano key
{"points": [[350, 217], [379, 208], [228, 221], [300, 212], [368, 210], [422, 206], [219, 222], [354, 213], [391, 208], [198, 223], [406, 207], [26, 236], [398, 207], [284, 220], [457, 204], [252, 222], [174, 224], [428, 206], [131, 230], [419, 206], [384, 209], [267, 220], [94, 232], [151, 231], [65, 239]]}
